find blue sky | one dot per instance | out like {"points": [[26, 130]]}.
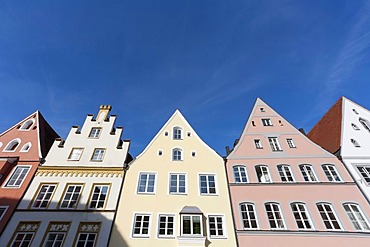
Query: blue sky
{"points": [[210, 59]]}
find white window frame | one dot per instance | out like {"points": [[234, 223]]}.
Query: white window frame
{"points": [[291, 143], [24, 233], [275, 213], [365, 123], [43, 197], [216, 226], [332, 174], [266, 122], [147, 178], [364, 171], [72, 195], [208, 185], [26, 147], [192, 225], [264, 172], [177, 133], [6, 184], [11, 143], [238, 174], [274, 144], [247, 212], [141, 227], [327, 215], [99, 153], [301, 214], [283, 173], [177, 192], [99, 199], [166, 225], [75, 156], [177, 156], [95, 132], [258, 143], [308, 174], [31, 122], [3, 209], [357, 218]]}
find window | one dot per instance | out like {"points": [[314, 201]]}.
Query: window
{"points": [[12, 145], [99, 196], [177, 183], [56, 233], [290, 143], [166, 133], [189, 134], [258, 143], [193, 153], [262, 109], [355, 143], [266, 122], [75, 154], [24, 234], [26, 147], [141, 225], [354, 110], [331, 173], [191, 225], [301, 216], [365, 123], [176, 154], [27, 125], [263, 174], [274, 143], [44, 195], [98, 154], [308, 173], [355, 127], [207, 184], [249, 218], [328, 216], [2, 211], [95, 133], [240, 174], [285, 173], [87, 234], [357, 217], [216, 226], [177, 133], [365, 172], [18, 176], [71, 196], [146, 183], [160, 152], [166, 225], [274, 216]]}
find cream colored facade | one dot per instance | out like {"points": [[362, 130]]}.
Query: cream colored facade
{"points": [[170, 199]]}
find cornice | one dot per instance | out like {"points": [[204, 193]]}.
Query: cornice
{"points": [[80, 171]]}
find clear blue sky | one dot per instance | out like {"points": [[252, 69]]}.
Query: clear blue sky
{"points": [[210, 59]]}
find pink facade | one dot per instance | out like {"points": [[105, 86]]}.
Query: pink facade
{"points": [[287, 191], [21, 148]]}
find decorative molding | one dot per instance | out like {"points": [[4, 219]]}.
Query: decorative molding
{"points": [[80, 172]]}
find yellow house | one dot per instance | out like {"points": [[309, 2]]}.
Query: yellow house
{"points": [[175, 193]]}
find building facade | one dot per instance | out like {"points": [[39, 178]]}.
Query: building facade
{"points": [[175, 193], [21, 148], [73, 197], [345, 131], [287, 191]]}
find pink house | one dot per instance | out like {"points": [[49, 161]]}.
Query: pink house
{"points": [[21, 149], [287, 191]]}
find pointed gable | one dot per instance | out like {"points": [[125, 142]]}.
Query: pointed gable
{"points": [[327, 132], [267, 134]]}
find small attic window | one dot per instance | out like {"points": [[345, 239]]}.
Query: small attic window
{"points": [[26, 147], [354, 110], [355, 143], [27, 125], [355, 127], [160, 152], [166, 133], [193, 153], [12, 145], [262, 109], [253, 123], [281, 123], [189, 134]]}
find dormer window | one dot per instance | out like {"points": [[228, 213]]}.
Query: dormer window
{"points": [[355, 127], [26, 147], [12, 145], [95, 133], [355, 143], [266, 122], [27, 125], [98, 154], [177, 133]]}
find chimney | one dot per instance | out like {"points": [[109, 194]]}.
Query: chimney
{"points": [[103, 112]]}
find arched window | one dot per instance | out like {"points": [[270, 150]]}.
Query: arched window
{"points": [[331, 173], [263, 174], [365, 123], [355, 127], [12, 145], [27, 125], [356, 216], [177, 154], [328, 216], [308, 173], [26, 147], [285, 173], [302, 218], [274, 215], [248, 213], [177, 133], [240, 174]]}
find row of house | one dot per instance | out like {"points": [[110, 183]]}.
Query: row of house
{"points": [[276, 186]]}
